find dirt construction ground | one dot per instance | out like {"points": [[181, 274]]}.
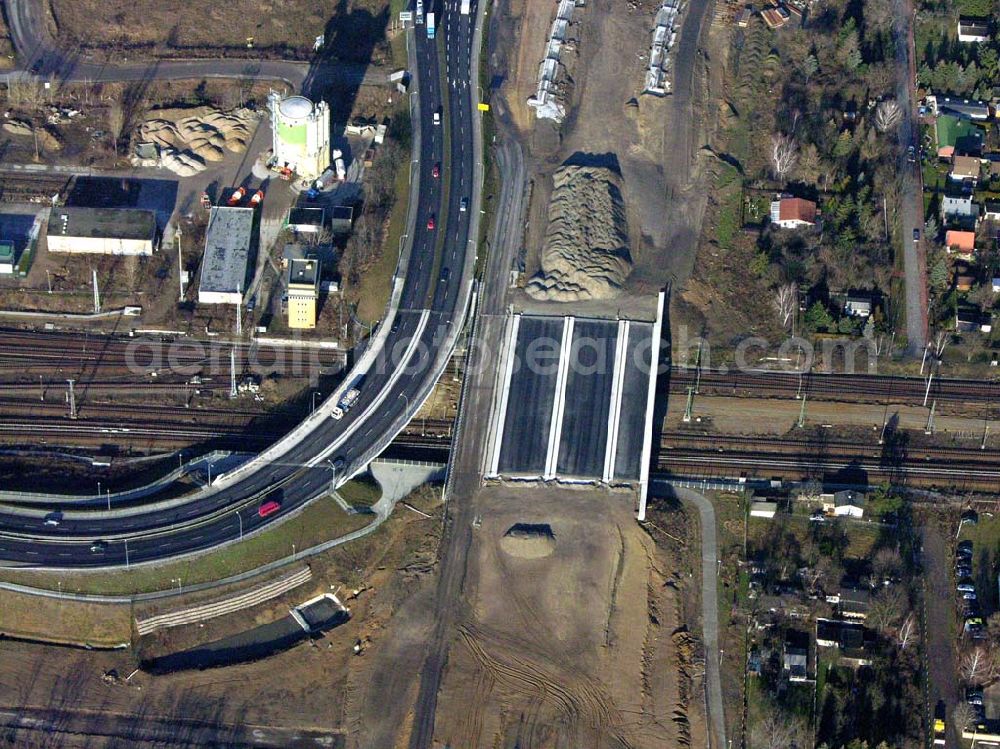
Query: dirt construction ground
{"points": [[653, 141], [572, 640]]}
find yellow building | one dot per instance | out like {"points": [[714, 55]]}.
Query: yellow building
{"points": [[303, 292]]}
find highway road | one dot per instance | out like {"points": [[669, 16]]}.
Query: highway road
{"points": [[436, 272]]}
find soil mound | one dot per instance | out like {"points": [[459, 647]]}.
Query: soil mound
{"points": [[586, 253], [187, 138], [528, 540]]}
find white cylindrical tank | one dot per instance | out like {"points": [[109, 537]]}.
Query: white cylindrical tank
{"points": [[301, 134]]}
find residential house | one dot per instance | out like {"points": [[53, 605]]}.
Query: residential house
{"points": [[850, 637], [847, 503], [775, 16], [795, 663], [964, 169], [744, 19], [972, 319], [792, 213], [852, 603], [960, 210], [971, 109], [973, 30], [963, 280], [763, 509], [962, 242], [991, 210], [858, 304]]}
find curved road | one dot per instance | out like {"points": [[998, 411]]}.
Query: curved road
{"points": [[43, 57], [431, 305]]}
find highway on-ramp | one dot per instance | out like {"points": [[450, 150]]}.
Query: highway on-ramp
{"points": [[431, 304]]}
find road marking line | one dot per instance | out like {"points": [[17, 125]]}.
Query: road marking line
{"points": [[559, 402]]}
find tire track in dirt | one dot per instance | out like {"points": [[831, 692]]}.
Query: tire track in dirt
{"points": [[572, 693]]}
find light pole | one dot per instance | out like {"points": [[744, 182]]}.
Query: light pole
{"points": [[240, 518], [315, 393], [126, 553], [404, 395]]}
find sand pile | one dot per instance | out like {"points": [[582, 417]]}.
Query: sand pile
{"points": [[188, 138], [586, 253], [46, 140], [528, 540]]}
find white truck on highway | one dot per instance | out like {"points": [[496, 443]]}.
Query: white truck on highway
{"points": [[348, 399], [466, 7], [430, 25]]}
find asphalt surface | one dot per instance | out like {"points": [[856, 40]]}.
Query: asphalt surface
{"points": [[43, 58], [709, 603], [390, 392], [584, 434], [632, 419], [911, 208], [532, 392]]}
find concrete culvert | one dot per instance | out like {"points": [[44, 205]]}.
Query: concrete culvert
{"points": [[529, 540]]}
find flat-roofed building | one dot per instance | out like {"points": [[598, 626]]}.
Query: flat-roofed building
{"points": [[102, 231], [227, 252], [303, 292], [6, 258], [306, 220]]}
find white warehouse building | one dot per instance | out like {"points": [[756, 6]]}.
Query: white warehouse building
{"points": [[301, 134], [102, 231], [227, 253]]}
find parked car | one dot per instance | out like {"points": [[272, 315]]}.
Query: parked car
{"points": [[966, 586], [965, 547], [974, 695], [916, 235]]}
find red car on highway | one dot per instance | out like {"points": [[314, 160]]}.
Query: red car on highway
{"points": [[268, 508], [436, 171], [430, 223]]}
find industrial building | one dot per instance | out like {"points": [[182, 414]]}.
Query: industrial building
{"points": [[102, 231], [303, 287], [228, 239], [6, 258], [301, 134], [305, 220]]}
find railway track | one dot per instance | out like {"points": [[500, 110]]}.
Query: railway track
{"points": [[840, 387]]}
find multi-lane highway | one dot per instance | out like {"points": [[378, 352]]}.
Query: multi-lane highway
{"points": [[437, 280]]}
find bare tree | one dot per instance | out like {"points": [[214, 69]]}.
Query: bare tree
{"points": [[887, 115], [993, 627], [979, 666], [886, 608], [941, 342], [963, 716], [116, 123], [784, 155], [886, 565], [785, 301], [907, 632], [779, 730]]}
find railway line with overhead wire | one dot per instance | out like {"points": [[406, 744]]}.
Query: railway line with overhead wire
{"points": [[841, 387]]}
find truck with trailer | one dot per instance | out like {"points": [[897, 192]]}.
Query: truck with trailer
{"points": [[430, 25], [420, 12], [348, 399]]}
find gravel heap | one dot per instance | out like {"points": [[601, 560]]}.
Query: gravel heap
{"points": [[188, 138], [586, 253]]}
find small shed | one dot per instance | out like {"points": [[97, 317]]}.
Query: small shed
{"points": [[762, 509]]}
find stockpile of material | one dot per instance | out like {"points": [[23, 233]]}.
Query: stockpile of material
{"points": [[188, 138], [586, 253]]}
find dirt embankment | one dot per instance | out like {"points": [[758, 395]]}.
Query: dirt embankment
{"points": [[573, 635]]}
